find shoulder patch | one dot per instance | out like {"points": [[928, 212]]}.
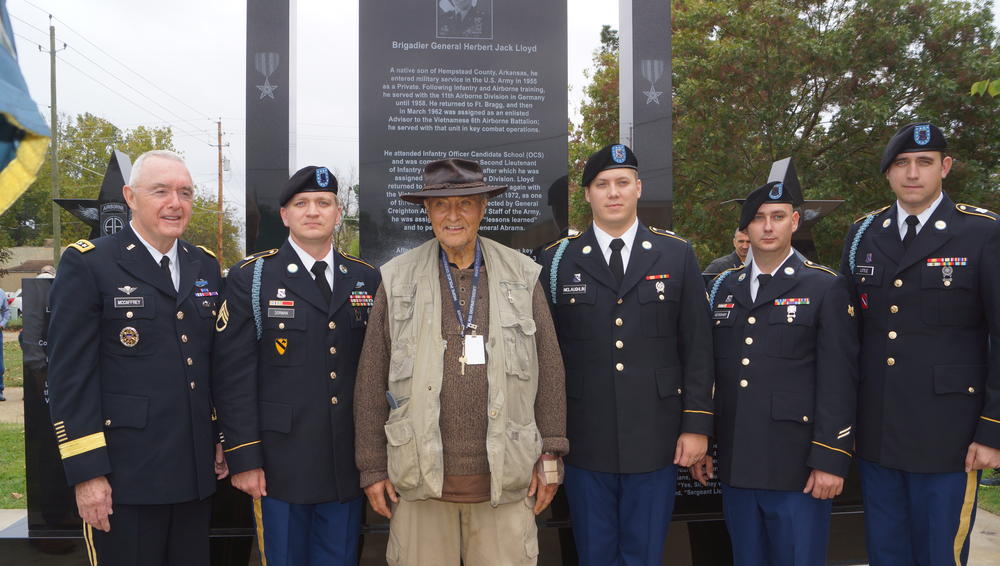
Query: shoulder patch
{"points": [[557, 242], [82, 246], [973, 210], [252, 258], [814, 265], [207, 251], [665, 232], [871, 213], [352, 258]]}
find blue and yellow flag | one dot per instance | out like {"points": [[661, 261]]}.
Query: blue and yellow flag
{"points": [[24, 135]]}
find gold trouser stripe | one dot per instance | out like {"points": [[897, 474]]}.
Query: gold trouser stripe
{"points": [[88, 541], [965, 520], [846, 453], [258, 516], [989, 419], [241, 446], [700, 412], [81, 445]]}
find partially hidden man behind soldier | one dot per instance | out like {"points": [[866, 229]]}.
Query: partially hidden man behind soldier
{"points": [[925, 272], [741, 244], [289, 334], [786, 380], [460, 404], [629, 307], [130, 339]]}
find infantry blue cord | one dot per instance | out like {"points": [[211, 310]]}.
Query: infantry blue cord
{"points": [[554, 271], [258, 268], [852, 258], [715, 289]]}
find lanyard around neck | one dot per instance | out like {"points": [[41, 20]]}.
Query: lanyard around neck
{"points": [[463, 323]]}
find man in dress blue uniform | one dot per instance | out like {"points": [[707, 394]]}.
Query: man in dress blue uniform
{"points": [[629, 308], [130, 339], [786, 380], [289, 334], [927, 281]]}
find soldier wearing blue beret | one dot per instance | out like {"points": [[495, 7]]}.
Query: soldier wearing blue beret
{"points": [[130, 339], [925, 274], [629, 308], [289, 334], [785, 387]]}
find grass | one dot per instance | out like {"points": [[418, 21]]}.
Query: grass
{"points": [[989, 497], [12, 467], [14, 374]]}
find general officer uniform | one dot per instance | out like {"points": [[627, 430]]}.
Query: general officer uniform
{"points": [[129, 389], [785, 378], [285, 362], [930, 367], [638, 373]]}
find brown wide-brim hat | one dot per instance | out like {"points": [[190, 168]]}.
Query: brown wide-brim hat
{"points": [[452, 178]]}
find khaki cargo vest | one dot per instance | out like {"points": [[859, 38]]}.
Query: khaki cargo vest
{"points": [[413, 434]]}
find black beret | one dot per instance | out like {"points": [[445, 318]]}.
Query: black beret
{"points": [[919, 136], [309, 179], [773, 192], [613, 156]]}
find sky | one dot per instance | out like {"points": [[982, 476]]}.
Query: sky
{"points": [[138, 63]]}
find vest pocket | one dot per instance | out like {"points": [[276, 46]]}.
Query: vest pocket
{"points": [[519, 342], [404, 464], [522, 447]]}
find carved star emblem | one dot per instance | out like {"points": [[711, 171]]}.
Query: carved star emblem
{"points": [[652, 95], [267, 89]]}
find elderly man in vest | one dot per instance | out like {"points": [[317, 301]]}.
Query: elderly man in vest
{"points": [[460, 402]]}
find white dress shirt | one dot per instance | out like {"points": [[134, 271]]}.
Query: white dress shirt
{"points": [[308, 261], [922, 217], [755, 271], [604, 242], [175, 270]]}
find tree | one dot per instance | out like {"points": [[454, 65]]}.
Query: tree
{"points": [[599, 122], [827, 82], [85, 145]]}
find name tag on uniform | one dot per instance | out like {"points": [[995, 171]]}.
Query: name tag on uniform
{"points": [[280, 313], [475, 351], [718, 315], [864, 270], [574, 289], [129, 302]]}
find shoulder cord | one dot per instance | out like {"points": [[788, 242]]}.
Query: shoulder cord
{"points": [[715, 288], [554, 270], [258, 268], [852, 257]]}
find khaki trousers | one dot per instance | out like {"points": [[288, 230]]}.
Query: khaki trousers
{"points": [[439, 533]]}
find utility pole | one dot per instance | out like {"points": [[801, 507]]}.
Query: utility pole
{"points": [[218, 235], [56, 226]]}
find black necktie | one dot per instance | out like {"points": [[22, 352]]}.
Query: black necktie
{"points": [[165, 267], [319, 270], [762, 280], [616, 263], [911, 230]]}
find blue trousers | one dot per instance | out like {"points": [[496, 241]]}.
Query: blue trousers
{"points": [[620, 519], [776, 528], [322, 534], [919, 519]]}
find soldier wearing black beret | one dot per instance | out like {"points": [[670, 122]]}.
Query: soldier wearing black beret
{"points": [[130, 342], [785, 386], [628, 303], [288, 338], [925, 275]]}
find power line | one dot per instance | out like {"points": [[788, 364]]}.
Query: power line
{"points": [[129, 100], [115, 59]]}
